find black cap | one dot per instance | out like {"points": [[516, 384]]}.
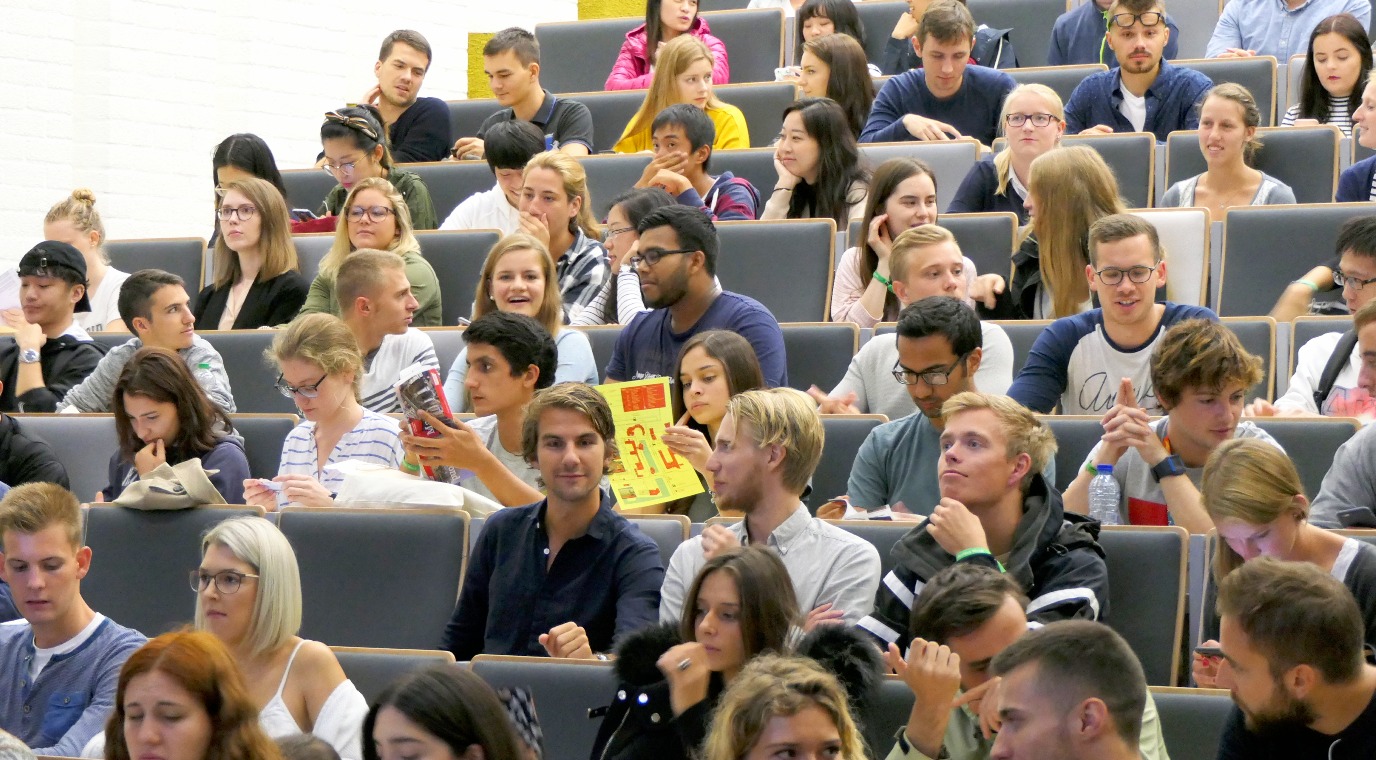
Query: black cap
{"points": [[44, 259]]}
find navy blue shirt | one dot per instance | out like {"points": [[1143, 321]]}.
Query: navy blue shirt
{"points": [[1171, 102], [978, 193], [421, 133], [973, 110], [1078, 37], [606, 581]]}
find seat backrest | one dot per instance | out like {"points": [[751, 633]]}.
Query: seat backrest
{"points": [[603, 341], [887, 708], [1076, 435], [448, 344], [1062, 79], [819, 352], [1146, 586], [609, 176], [1131, 156], [1257, 74], [753, 255], [310, 251], [761, 103], [1311, 443], [307, 188], [251, 375], [667, 531], [1184, 234], [420, 550], [877, 19], [1196, 22], [844, 435], [1305, 158], [83, 443], [451, 182], [985, 238], [143, 560], [457, 257], [577, 56], [754, 41], [373, 670], [1030, 20], [881, 534], [183, 257], [1192, 720], [1022, 333], [1307, 328], [753, 164], [950, 161], [263, 436], [1258, 336], [1294, 75], [611, 110], [564, 690], [467, 116]]}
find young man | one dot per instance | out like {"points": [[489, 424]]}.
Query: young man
{"points": [[1077, 361], [925, 261], [1351, 481], [1071, 690], [26, 458], [62, 662], [418, 127], [769, 443], [155, 306], [511, 61], [510, 357], [566, 576], [996, 504], [1144, 93], [1279, 28], [962, 619], [677, 265], [50, 352], [947, 97], [1079, 37], [1293, 658], [375, 301], [509, 147], [682, 136], [992, 47], [1201, 373]]}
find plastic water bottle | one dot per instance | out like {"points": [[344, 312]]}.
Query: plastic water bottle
{"points": [[203, 375], [1103, 496]]}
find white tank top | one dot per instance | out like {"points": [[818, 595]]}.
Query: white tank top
{"points": [[275, 718]]}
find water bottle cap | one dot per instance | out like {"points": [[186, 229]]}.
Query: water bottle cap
{"points": [[1104, 469], [203, 365]]}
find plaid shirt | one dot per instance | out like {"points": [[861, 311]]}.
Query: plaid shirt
{"points": [[581, 271]]}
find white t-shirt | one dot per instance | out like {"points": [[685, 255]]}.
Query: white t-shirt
{"points": [[41, 657], [1133, 108], [486, 428], [487, 210], [1346, 399], [104, 302], [382, 368]]}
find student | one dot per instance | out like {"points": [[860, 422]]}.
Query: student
{"points": [[1351, 481], [834, 66], [1340, 47], [556, 210], [1358, 181], [819, 18], [1078, 37], [1033, 120], [157, 309], [1074, 363], [619, 299], [1260, 27], [76, 222], [508, 146], [1143, 93], [378, 306], [245, 156], [258, 282], [1228, 119], [417, 128], [376, 217], [677, 265], [784, 707], [1068, 190], [511, 61], [27, 458], [821, 173], [992, 455], [356, 150], [684, 76], [1201, 374], [992, 48], [64, 658], [665, 21], [683, 136], [162, 417], [1294, 662], [946, 98], [439, 708], [509, 358], [319, 368], [518, 278], [766, 449], [50, 352], [566, 576]]}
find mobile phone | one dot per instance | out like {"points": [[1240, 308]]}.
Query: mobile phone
{"points": [[1208, 651], [1357, 517], [303, 214]]}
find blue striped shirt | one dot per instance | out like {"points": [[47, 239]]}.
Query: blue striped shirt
{"points": [[376, 438]]}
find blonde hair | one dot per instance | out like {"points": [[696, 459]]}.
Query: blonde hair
{"points": [[34, 507], [1025, 433], [674, 59], [274, 242], [1074, 188], [787, 418], [277, 606], [1003, 160], [405, 240], [321, 339], [1251, 115], [575, 180], [551, 313], [1251, 481], [912, 239], [79, 208]]}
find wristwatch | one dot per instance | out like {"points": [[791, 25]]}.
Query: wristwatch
{"points": [[28, 356], [1168, 467]]}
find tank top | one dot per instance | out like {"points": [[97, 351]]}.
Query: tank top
{"points": [[275, 718]]}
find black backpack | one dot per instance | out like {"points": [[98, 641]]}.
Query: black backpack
{"points": [[1341, 353]]}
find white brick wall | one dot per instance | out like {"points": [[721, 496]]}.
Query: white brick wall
{"points": [[130, 97]]}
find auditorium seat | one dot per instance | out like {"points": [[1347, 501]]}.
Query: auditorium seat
{"points": [[1184, 234], [1305, 158], [1257, 74], [1029, 20], [307, 188], [466, 116], [844, 435], [1192, 720], [452, 182], [1307, 328], [878, 19], [603, 341], [610, 176], [457, 257], [565, 692], [1146, 583], [448, 343], [1131, 156], [755, 255], [1258, 336], [667, 531], [986, 239], [251, 374], [818, 353], [1311, 443], [1062, 79], [881, 534], [373, 670], [183, 257], [950, 161]]}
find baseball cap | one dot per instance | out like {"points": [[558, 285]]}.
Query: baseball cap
{"points": [[50, 256]]}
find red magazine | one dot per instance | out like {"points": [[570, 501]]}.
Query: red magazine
{"points": [[420, 387]]}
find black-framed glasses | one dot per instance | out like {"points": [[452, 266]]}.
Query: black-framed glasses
{"points": [[242, 213], [226, 581], [932, 377], [1037, 119], [1114, 275], [1150, 18], [651, 256], [352, 122], [1343, 280], [304, 391], [374, 213]]}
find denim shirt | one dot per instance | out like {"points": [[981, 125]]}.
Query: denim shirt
{"points": [[1270, 27], [1172, 102]]}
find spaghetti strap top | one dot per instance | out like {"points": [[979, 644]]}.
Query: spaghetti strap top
{"points": [[275, 718]]}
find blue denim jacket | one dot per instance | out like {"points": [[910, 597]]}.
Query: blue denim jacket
{"points": [[1172, 102]]}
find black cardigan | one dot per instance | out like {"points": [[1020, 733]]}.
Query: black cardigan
{"points": [[268, 304]]}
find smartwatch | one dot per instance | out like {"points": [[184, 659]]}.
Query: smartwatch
{"points": [[1168, 467]]}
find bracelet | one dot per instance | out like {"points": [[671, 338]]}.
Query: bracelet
{"points": [[972, 551], [882, 280], [1303, 281], [405, 465], [777, 189], [1091, 468]]}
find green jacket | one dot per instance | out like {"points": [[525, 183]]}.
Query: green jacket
{"points": [[411, 187], [425, 286]]}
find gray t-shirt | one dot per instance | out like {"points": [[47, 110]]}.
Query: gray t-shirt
{"points": [[486, 428], [898, 463]]}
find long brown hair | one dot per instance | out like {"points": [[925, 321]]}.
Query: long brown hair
{"points": [[769, 607], [162, 376], [274, 241], [1074, 188], [885, 182], [738, 360], [551, 304], [849, 83]]}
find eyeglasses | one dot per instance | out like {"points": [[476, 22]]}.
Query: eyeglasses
{"points": [[1343, 280], [374, 213], [932, 377], [352, 122], [304, 391], [226, 581], [609, 234], [1150, 18], [1113, 275], [651, 256], [1037, 119], [337, 169], [242, 213]]}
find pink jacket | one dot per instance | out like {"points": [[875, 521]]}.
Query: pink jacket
{"points": [[632, 68]]}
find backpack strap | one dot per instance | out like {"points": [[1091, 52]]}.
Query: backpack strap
{"points": [[1339, 358]]}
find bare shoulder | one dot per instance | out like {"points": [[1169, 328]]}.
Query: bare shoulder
{"points": [[317, 670]]}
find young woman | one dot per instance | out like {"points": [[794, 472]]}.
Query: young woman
{"points": [[257, 280], [713, 366], [319, 368], [1228, 119], [820, 171], [818, 18], [619, 299], [1338, 62], [834, 66], [684, 75], [1033, 120], [642, 53], [439, 712], [181, 697], [76, 222], [556, 210], [1253, 493], [1068, 190], [356, 149], [376, 216], [518, 277], [162, 416]]}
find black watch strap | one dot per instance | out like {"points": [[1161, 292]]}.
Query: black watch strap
{"points": [[1168, 467]]}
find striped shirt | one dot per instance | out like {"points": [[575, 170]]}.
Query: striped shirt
{"points": [[376, 438], [1337, 115], [581, 272], [382, 368]]}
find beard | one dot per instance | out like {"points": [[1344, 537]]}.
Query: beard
{"points": [[1283, 713], [746, 496]]}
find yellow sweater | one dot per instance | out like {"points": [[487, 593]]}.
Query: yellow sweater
{"points": [[732, 132]]}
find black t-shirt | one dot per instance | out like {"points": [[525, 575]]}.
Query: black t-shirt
{"points": [[564, 122], [421, 133], [1357, 741]]}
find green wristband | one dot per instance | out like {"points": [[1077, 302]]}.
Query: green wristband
{"points": [[975, 551], [882, 280]]}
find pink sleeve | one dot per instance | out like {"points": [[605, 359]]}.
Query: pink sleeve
{"points": [[626, 72], [721, 69], [846, 290]]}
